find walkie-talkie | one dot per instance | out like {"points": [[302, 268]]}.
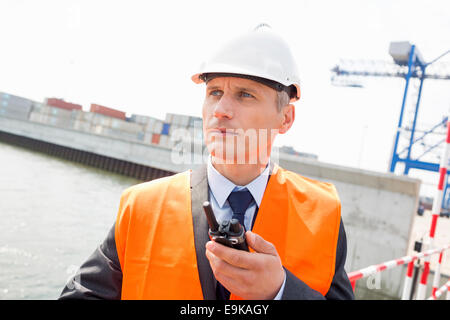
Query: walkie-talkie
{"points": [[229, 233]]}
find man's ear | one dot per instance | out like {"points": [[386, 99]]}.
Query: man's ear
{"points": [[288, 118]]}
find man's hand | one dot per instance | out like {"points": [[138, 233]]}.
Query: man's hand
{"points": [[250, 275]]}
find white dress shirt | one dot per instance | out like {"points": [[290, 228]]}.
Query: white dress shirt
{"points": [[219, 190]]}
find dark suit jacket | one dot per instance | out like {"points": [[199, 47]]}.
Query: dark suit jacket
{"points": [[100, 276]]}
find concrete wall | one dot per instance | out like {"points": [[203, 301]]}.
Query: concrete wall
{"points": [[377, 208]]}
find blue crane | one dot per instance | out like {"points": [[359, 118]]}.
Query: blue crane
{"points": [[408, 64]]}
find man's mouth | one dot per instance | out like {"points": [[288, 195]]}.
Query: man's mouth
{"points": [[222, 131]]}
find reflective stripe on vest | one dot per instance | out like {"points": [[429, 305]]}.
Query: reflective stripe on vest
{"points": [[155, 238]]}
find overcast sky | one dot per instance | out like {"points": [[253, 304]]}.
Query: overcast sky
{"points": [[138, 56]]}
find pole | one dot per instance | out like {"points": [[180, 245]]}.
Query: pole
{"points": [[411, 65], [417, 268], [413, 129], [437, 276], [408, 281], [436, 209]]}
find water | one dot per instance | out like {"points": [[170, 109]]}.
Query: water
{"points": [[53, 214]]}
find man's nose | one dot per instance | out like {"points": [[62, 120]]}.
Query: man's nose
{"points": [[224, 107]]}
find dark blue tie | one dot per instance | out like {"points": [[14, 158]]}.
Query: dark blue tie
{"points": [[239, 202]]}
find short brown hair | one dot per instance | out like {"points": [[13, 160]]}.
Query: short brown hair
{"points": [[282, 100]]}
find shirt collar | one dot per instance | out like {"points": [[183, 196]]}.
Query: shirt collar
{"points": [[221, 187]]}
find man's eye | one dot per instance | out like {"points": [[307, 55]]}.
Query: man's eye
{"points": [[215, 93], [246, 95]]}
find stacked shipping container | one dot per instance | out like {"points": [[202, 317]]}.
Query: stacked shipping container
{"points": [[86, 121], [12, 106], [104, 121], [107, 111], [54, 116], [171, 131], [60, 103]]}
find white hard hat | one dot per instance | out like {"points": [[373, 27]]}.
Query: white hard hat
{"points": [[260, 55]]}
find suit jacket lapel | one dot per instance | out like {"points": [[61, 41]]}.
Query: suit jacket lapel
{"points": [[199, 194]]}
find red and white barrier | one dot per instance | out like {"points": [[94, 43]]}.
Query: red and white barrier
{"points": [[408, 280], [440, 291], [437, 275], [355, 275], [435, 211]]}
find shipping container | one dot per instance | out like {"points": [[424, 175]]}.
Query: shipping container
{"points": [[83, 115], [15, 108], [141, 136], [147, 137], [37, 106], [60, 103], [156, 138], [157, 127], [148, 127], [138, 118], [100, 119], [182, 120], [108, 111], [14, 113], [165, 141], [126, 126], [114, 133], [169, 117], [12, 100], [178, 119], [17, 104], [165, 128], [81, 125], [153, 126], [56, 112], [50, 120]]}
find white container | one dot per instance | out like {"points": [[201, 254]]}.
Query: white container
{"points": [[15, 114], [97, 129], [184, 120], [149, 126], [157, 128], [169, 117], [165, 141], [99, 119], [19, 107], [148, 137], [59, 122], [56, 112], [9, 99], [81, 125], [37, 117], [126, 126], [138, 118]]}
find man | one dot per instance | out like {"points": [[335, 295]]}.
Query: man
{"points": [[159, 247]]}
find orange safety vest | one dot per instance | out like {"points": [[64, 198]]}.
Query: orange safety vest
{"points": [[155, 238]]}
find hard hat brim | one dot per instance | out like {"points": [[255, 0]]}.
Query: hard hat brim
{"points": [[197, 78]]}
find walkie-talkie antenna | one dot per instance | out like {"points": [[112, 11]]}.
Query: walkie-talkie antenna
{"points": [[213, 225]]}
